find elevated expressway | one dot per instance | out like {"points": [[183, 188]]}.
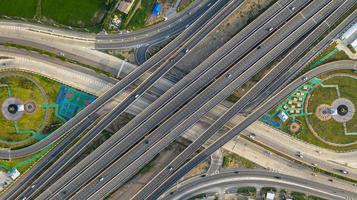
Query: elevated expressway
{"points": [[118, 87], [81, 46], [226, 76], [200, 28], [110, 154], [229, 181], [161, 144], [179, 170]]}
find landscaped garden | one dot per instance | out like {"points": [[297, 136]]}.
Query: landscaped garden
{"points": [[32, 107], [322, 91]]}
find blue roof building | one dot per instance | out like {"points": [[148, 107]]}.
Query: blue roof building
{"points": [[157, 9]]}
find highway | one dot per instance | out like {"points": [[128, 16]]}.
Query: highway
{"points": [[146, 157], [156, 33], [177, 172], [199, 28], [118, 87], [212, 94], [150, 107], [229, 181]]}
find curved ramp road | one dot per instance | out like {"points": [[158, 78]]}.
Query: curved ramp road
{"points": [[229, 181], [142, 147], [176, 172], [190, 90], [99, 102], [190, 38]]}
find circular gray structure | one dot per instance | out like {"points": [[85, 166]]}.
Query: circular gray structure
{"points": [[11, 109], [344, 110], [30, 107], [323, 112]]}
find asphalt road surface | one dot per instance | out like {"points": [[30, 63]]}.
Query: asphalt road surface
{"points": [[203, 28], [229, 181], [177, 172], [243, 69]]}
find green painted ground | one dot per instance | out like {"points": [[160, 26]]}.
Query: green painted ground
{"points": [[20, 8]]}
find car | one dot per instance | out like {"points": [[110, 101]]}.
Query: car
{"points": [[252, 136], [170, 168], [137, 96], [186, 50], [229, 75], [314, 164], [277, 177], [292, 8], [343, 171], [32, 186], [313, 174], [165, 18], [330, 180], [304, 78], [101, 179], [300, 154], [271, 29]]}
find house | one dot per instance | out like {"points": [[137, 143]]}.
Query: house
{"points": [[125, 6]]}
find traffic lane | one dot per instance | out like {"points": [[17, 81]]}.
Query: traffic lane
{"points": [[129, 162], [228, 180], [351, 65], [221, 20], [99, 101], [267, 59], [185, 17]]}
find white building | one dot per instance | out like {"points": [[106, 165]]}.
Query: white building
{"points": [[14, 174], [282, 116], [270, 196]]}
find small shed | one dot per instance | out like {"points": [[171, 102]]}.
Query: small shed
{"points": [[282, 116]]}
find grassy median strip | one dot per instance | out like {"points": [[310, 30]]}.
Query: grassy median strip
{"points": [[315, 169], [63, 58]]}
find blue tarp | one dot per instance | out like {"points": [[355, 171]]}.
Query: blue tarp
{"points": [[157, 9]]}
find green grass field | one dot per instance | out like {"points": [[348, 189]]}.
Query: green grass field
{"points": [[331, 130], [18, 8], [78, 13], [75, 13], [231, 160], [26, 90], [141, 15]]}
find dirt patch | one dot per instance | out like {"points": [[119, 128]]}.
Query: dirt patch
{"points": [[138, 181], [199, 170], [247, 12]]}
